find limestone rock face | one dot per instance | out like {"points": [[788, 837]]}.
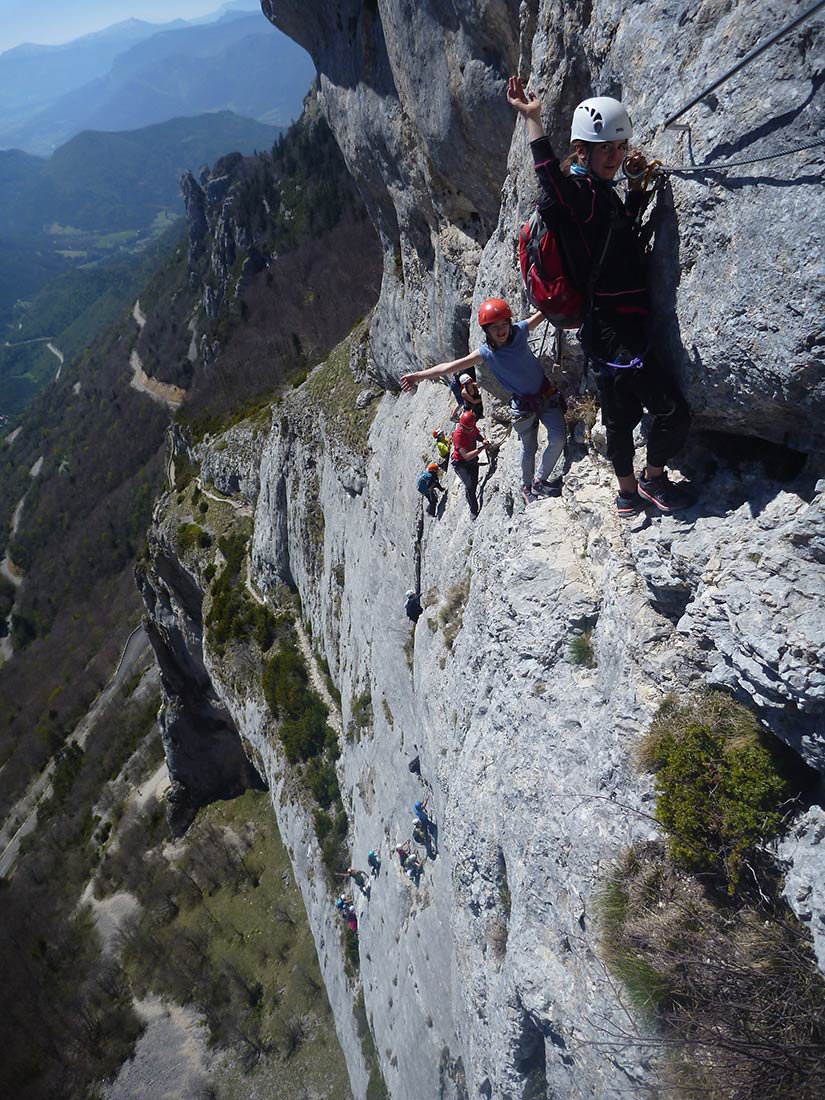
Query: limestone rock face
{"points": [[487, 980], [415, 97], [203, 751]]}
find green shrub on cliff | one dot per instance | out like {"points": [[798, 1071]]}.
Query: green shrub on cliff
{"points": [[311, 744], [191, 535], [720, 786], [234, 615]]}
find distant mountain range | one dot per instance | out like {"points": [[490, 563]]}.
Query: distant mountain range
{"points": [[102, 194], [107, 183], [135, 74]]}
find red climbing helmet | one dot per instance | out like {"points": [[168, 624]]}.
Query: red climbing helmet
{"points": [[494, 309], [435, 433], [433, 467], [467, 419]]}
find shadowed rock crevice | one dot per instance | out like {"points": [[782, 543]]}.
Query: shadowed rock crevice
{"points": [[530, 1059]]}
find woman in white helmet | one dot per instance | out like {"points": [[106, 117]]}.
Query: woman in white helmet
{"points": [[598, 236]]}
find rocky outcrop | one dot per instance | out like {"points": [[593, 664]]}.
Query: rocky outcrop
{"points": [[487, 980], [194, 202], [204, 754]]}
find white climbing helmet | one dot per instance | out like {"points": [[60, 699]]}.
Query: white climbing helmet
{"points": [[601, 119]]}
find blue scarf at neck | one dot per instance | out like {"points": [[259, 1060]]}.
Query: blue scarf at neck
{"points": [[580, 170]]}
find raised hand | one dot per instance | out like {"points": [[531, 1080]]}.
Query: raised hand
{"points": [[525, 103], [528, 106]]}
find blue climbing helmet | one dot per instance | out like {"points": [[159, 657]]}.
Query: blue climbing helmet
{"points": [[339, 903], [418, 806]]}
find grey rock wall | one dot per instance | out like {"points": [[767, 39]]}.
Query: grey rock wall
{"points": [[415, 97]]}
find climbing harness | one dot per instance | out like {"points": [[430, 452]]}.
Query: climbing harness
{"points": [[611, 368]]}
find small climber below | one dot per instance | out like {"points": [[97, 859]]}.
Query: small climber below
{"points": [[429, 486], [413, 868], [599, 240], [456, 386], [471, 396], [374, 862], [425, 830], [410, 864], [344, 905], [442, 443], [358, 877], [468, 443], [507, 354], [413, 607]]}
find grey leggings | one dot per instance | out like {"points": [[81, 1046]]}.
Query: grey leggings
{"points": [[527, 426]]}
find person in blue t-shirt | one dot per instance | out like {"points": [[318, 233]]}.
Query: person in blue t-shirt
{"points": [[507, 354]]}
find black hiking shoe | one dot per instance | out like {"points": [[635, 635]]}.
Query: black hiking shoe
{"points": [[664, 494], [629, 504], [547, 488]]}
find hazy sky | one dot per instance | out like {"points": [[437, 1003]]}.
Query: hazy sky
{"points": [[49, 22]]}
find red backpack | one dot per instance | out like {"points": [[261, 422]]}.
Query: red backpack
{"points": [[545, 279]]}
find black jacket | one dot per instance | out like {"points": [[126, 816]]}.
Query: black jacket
{"points": [[580, 210]]}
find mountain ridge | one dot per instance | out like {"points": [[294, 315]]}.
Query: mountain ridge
{"points": [[187, 70]]}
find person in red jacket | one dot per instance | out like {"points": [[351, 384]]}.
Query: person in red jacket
{"points": [[599, 239], [468, 443]]}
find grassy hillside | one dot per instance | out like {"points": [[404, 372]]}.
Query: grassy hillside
{"points": [[70, 312]]}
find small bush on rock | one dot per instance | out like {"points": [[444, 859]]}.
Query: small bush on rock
{"points": [[581, 650], [191, 535], [719, 784]]}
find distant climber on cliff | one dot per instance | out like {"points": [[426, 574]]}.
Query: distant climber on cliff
{"points": [[456, 386], [410, 864], [425, 830], [443, 446], [412, 607], [358, 877], [468, 444], [429, 486], [413, 868], [534, 399], [471, 396], [598, 237], [374, 862]]}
